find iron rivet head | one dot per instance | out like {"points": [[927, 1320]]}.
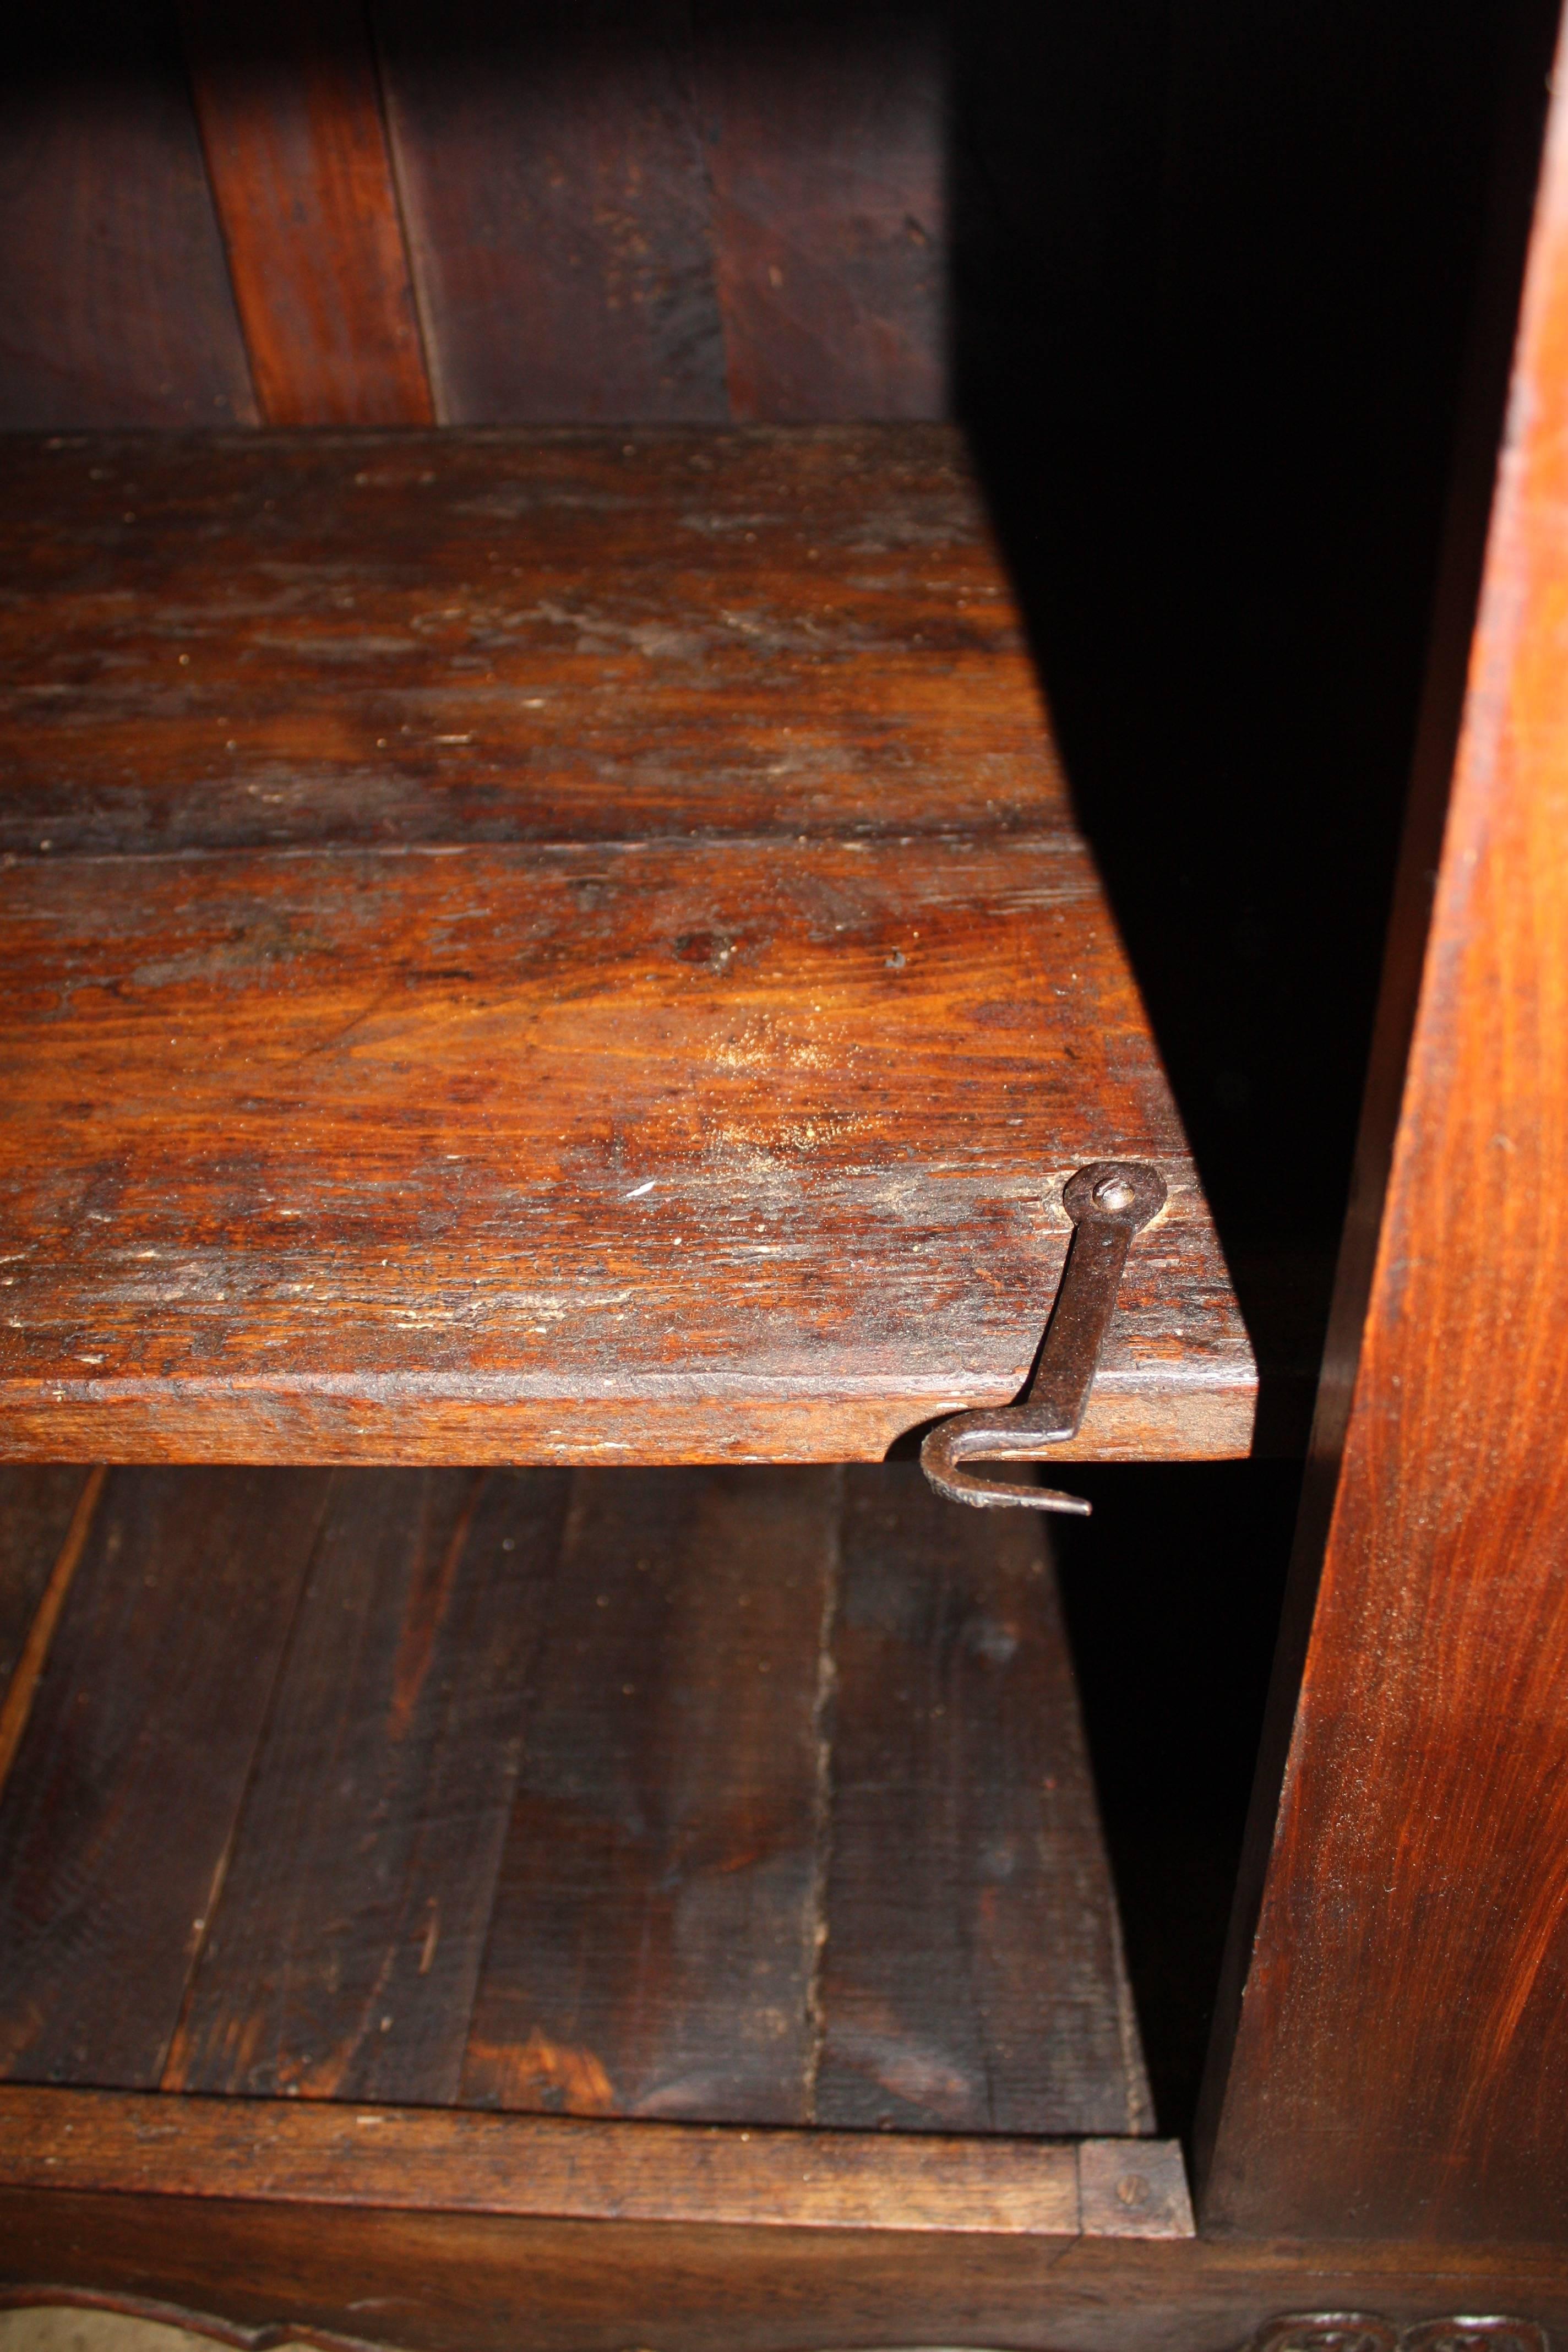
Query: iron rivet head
{"points": [[1113, 1193]]}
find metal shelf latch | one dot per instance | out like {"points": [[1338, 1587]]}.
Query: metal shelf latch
{"points": [[1107, 1201]]}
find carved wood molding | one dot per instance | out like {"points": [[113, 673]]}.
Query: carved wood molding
{"points": [[1363, 2331]]}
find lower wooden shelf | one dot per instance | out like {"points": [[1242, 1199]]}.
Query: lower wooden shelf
{"points": [[709, 1849], [718, 1796]]}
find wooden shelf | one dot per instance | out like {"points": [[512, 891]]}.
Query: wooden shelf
{"points": [[553, 1791], [552, 948]]}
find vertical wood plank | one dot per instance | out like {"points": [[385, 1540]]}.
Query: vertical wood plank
{"points": [[290, 109], [342, 1956], [116, 1819], [115, 306], [558, 209], [655, 1932], [1399, 2066], [827, 132], [972, 1977]]}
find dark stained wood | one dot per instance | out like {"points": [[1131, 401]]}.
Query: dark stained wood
{"points": [[147, 1716], [340, 1958], [826, 132], [115, 306], [36, 1506], [972, 1977], [654, 1945], [558, 209], [697, 1799], [1132, 2188], [290, 109], [454, 2282], [39, 1584], [416, 2159], [1398, 2064]]}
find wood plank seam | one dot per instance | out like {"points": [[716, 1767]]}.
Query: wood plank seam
{"points": [[19, 1701], [438, 412]]}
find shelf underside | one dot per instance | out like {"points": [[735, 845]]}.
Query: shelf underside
{"points": [[550, 947], [717, 1795]]}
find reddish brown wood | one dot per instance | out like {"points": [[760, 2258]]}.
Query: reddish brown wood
{"points": [[959, 1991], [505, 637], [1399, 2064], [290, 109], [654, 1938], [558, 205], [115, 306], [147, 1718], [340, 1958], [704, 1136], [826, 132]]}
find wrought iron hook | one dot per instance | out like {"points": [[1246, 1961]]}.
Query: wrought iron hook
{"points": [[1107, 1201]]}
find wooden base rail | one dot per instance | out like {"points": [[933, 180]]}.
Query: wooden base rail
{"points": [[436, 2160]]}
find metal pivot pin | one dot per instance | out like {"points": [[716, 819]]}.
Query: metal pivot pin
{"points": [[1107, 1201]]}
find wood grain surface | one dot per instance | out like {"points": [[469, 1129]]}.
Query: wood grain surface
{"points": [[958, 1990], [45, 1596], [627, 1750], [654, 1940], [558, 207], [147, 1716], [733, 1124], [399, 639], [449, 2283], [697, 214], [37, 1506], [417, 2159], [115, 306], [342, 1957], [1399, 2065], [826, 140], [289, 108]]}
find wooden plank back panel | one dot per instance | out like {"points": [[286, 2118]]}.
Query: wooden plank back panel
{"points": [[1400, 2065], [625, 212], [654, 1938], [972, 1974], [340, 1959], [115, 306], [117, 1817], [558, 209], [826, 130], [289, 108]]}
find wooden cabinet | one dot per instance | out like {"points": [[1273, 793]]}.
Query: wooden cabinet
{"points": [[555, 968]]}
